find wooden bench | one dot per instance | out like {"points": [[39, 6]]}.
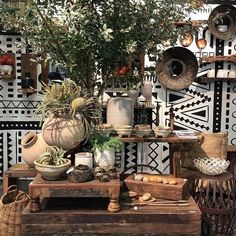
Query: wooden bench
{"points": [[12, 175], [89, 217]]}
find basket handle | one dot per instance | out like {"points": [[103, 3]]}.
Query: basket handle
{"points": [[21, 193], [12, 187]]}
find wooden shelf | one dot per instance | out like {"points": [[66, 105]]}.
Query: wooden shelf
{"points": [[214, 79], [27, 90], [7, 76]]}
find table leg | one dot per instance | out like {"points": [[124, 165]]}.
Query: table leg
{"points": [[114, 205], [35, 205], [8, 181], [175, 154]]}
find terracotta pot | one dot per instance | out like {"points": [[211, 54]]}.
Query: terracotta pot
{"points": [[33, 145], [64, 132], [120, 111]]}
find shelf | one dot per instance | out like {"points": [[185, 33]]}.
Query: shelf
{"points": [[27, 90], [7, 76], [214, 79]]}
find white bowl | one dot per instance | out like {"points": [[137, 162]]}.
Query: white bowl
{"points": [[211, 166], [124, 132], [143, 133], [162, 131], [142, 127], [50, 172]]}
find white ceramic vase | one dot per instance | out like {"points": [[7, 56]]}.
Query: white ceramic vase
{"points": [[120, 111], [33, 145], [64, 132], [146, 90], [105, 159]]}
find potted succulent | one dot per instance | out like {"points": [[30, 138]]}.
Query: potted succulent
{"points": [[67, 114], [104, 150], [51, 164]]}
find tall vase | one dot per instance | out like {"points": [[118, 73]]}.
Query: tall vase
{"points": [[33, 145], [134, 94], [146, 91], [65, 132], [120, 111]]}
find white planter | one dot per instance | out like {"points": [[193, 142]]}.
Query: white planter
{"points": [[120, 111], [84, 158], [105, 159]]}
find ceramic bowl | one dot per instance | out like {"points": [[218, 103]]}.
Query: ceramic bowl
{"points": [[50, 172], [162, 131], [104, 129], [124, 132], [142, 127], [143, 133]]}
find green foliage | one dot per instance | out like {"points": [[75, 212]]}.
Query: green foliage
{"points": [[89, 38], [102, 142], [53, 156]]}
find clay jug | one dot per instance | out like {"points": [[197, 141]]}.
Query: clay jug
{"points": [[65, 132], [120, 111], [33, 145]]}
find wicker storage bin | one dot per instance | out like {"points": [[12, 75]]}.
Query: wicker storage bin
{"points": [[11, 206]]}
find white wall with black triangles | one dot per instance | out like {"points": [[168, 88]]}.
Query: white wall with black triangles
{"points": [[200, 107]]}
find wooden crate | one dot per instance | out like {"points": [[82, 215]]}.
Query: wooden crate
{"points": [[159, 190], [89, 217]]}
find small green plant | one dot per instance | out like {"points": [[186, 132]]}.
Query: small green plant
{"points": [[101, 143], [53, 156]]}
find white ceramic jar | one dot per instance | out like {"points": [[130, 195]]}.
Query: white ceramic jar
{"points": [[84, 158]]}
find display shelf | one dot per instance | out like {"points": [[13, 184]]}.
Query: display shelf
{"points": [[214, 79], [27, 90]]}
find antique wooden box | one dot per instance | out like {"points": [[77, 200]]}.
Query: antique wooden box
{"points": [[177, 191]]}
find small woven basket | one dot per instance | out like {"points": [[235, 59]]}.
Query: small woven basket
{"points": [[211, 166], [11, 206]]}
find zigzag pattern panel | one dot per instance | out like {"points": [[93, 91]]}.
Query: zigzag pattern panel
{"points": [[130, 157]]}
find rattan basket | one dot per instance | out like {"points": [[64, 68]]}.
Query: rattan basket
{"points": [[211, 166]]}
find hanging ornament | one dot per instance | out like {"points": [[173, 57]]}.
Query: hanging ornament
{"points": [[186, 39], [201, 43]]}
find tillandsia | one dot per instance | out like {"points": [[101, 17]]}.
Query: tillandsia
{"points": [[89, 38], [53, 156]]}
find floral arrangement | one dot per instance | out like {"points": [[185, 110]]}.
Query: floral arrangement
{"points": [[91, 39]]}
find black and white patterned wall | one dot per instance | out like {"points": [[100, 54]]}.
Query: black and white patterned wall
{"points": [[201, 107]]}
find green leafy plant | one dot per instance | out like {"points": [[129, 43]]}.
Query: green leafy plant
{"points": [[101, 143], [53, 156], [91, 38]]}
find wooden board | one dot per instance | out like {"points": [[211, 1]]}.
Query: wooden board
{"points": [[77, 217], [159, 190]]}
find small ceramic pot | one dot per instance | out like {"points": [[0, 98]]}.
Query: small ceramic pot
{"points": [[84, 158], [33, 145]]}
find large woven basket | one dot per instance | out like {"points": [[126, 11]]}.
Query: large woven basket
{"points": [[11, 206]]}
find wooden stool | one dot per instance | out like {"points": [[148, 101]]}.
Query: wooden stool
{"points": [[12, 175], [215, 195]]}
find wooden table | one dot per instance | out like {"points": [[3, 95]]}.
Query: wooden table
{"points": [[175, 144], [12, 175], [61, 218], [63, 188]]}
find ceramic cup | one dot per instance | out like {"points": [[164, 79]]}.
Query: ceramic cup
{"points": [[211, 73], [222, 74], [84, 158]]}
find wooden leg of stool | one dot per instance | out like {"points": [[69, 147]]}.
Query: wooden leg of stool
{"points": [[35, 205]]}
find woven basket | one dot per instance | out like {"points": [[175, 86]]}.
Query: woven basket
{"points": [[211, 166], [11, 206]]}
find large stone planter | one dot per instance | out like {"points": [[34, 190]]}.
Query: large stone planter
{"points": [[120, 111], [33, 145], [64, 132], [104, 159]]}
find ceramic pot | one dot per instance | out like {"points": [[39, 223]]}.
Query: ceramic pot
{"points": [[134, 94], [65, 132], [104, 159], [33, 145], [146, 90], [120, 111], [84, 158]]}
